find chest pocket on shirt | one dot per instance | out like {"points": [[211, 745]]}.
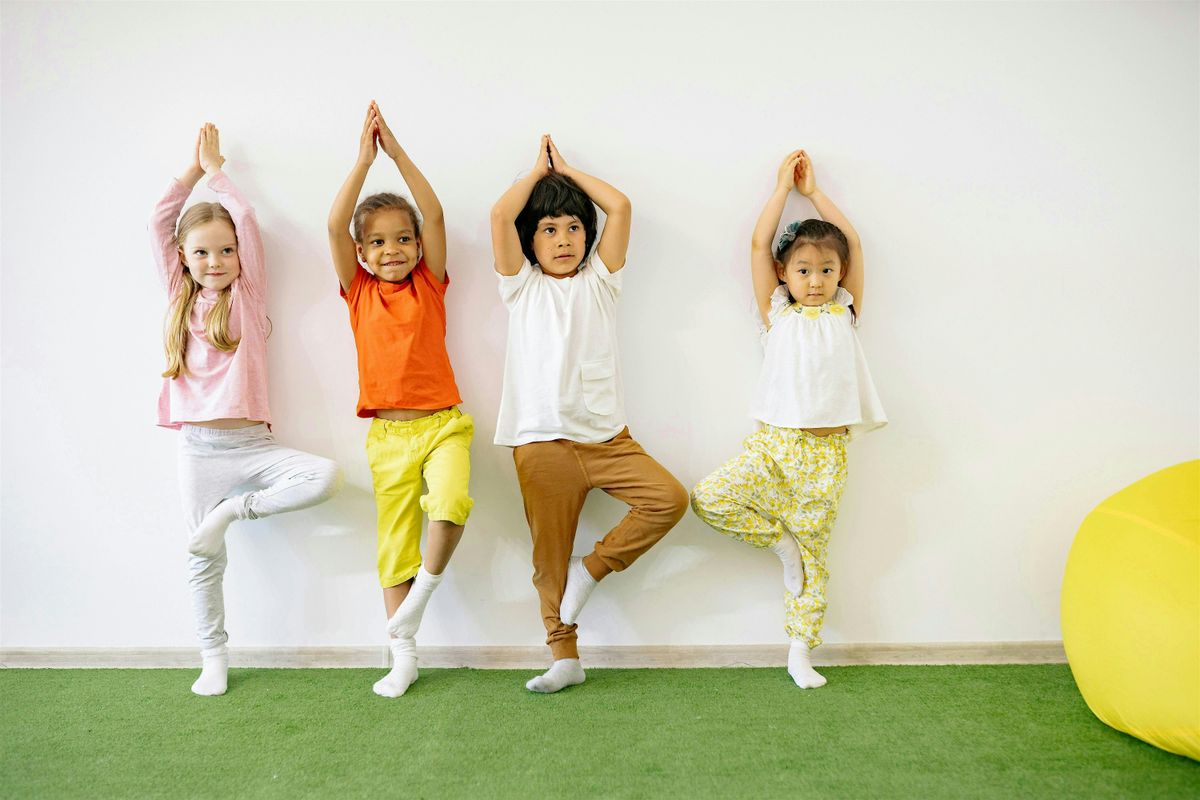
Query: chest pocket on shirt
{"points": [[600, 386]]}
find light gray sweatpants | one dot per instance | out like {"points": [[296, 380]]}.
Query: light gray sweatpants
{"points": [[265, 478]]}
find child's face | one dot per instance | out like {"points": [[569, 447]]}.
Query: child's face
{"points": [[811, 274], [390, 247], [210, 253], [558, 244]]}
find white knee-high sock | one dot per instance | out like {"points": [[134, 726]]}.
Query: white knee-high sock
{"points": [[407, 619], [793, 568], [580, 584], [214, 674], [800, 667], [562, 673], [404, 669]]}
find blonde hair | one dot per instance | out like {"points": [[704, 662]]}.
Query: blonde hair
{"points": [[216, 322]]}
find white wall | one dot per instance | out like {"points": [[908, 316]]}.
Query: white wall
{"points": [[1024, 177]]}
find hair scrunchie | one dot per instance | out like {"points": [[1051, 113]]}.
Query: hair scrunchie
{"points": [[786, 238]]}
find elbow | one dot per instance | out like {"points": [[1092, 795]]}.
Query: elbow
{"points": [[622, 208], [500, 216], [434, 216]]}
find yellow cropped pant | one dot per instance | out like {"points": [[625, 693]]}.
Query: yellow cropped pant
{"points": [[435, 449], [786, 482]]}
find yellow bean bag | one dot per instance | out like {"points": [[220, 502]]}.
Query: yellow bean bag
{"points": [[1131, 610]]}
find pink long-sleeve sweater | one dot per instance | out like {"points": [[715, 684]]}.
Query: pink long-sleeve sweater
{"points": [[216, 385]]}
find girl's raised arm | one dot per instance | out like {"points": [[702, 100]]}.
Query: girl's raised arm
{"points": [[341, 243], [250, 248], [762, 241], [852, 278], [433, 221], [165, 217], [618, 212], [506, 242]]}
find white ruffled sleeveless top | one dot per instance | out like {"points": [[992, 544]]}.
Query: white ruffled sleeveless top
{"points": [[814, 373]]}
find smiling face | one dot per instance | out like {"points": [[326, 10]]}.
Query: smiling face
{"points": [[559, 244], [210, 253], [390, 246], [811, 274]]}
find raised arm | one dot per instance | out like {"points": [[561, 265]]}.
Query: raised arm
{"points": [[618, 213], [341, 243], [250, 248], [852, 278], [165, 217], [433, 227], [506, 243], [762, 241]]}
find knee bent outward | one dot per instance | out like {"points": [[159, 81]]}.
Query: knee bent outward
{"points": [[330, 477], [706, 501], [452, 507], [676, 501]]}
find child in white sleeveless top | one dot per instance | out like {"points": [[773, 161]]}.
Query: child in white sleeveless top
{"points": [[814, 393]]}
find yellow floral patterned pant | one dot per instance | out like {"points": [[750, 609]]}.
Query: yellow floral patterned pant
{"points": [[787, 481]]}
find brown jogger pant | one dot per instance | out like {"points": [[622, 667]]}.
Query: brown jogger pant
{"points": [[555, 478]]}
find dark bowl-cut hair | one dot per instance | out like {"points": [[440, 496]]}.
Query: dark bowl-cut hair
{"points": [[556, 195]]}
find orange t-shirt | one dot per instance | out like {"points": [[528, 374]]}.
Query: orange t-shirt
{"points": [[400, 332]]}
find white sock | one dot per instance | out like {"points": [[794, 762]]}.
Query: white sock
{"points": [[404, 669], [214, 675], [793, 568], [562, 673], [580, 584], [407, 619], [210, 533], [800, 667]]}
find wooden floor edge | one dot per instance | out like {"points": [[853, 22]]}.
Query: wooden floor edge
{"points": [[497, 657]]}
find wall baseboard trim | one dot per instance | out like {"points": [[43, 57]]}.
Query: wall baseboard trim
{"points": [[499, 657]]}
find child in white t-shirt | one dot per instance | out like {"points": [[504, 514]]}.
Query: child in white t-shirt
{"points": [[814, 393], [562, 408]]}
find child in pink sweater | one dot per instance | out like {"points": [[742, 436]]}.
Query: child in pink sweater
{"points": [[215, 387]]}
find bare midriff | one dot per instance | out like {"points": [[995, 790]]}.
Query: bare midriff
{"points": [[406, 414], [824, 431], [226, 424]]}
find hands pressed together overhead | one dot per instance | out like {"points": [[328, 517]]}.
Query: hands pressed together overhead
{"points": [[206, 155], [376, 134], [208, 148], [796, 171], [549, 159]]}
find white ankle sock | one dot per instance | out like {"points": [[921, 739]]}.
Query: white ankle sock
{"points": [[793, 568], [404, 669], [580, 584], [562, 673], [214, 675], [210, 533], [800, 667], [407, 619]]}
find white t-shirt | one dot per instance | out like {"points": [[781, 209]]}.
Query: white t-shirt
{"points": [[814, 374], [562, 377]]}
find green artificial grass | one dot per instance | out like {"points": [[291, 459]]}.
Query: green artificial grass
{"points": [[967, 731]]}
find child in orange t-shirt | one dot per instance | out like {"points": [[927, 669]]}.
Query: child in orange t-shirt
{"points": [[406, 384]]}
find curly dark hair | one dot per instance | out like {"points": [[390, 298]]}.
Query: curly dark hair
{"points": [[378, 202]]}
